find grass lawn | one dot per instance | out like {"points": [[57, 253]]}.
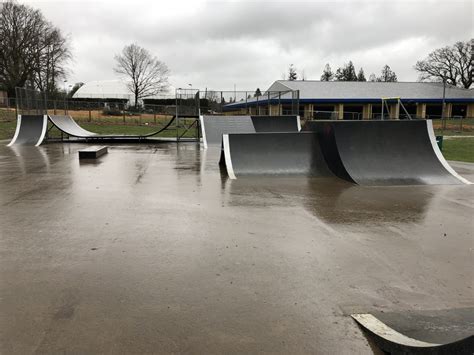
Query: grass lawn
{"points": [[461, 149]]}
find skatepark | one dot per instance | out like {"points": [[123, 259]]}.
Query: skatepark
{"points": [[262, 235]]}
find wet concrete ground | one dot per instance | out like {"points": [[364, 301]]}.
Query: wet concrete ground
{"points": [[151, 250]]}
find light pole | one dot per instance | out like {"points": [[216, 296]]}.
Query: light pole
{"points": [[443, 108]]}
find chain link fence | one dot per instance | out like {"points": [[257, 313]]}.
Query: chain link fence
{"points": [[117, 114]]}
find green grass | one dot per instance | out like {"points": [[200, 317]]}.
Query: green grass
{"points": [[7, 129], [460, 149], [454, 127]]}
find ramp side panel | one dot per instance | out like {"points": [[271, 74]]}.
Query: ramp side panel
{"points": [[275, 123], [389, 153], [276, 154], [215, 126], [30, 130]]}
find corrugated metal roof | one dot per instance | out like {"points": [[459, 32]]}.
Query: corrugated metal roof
{"points": [[312, 89]]}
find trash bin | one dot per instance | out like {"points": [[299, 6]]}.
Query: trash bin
{"points": [[439, 141]]}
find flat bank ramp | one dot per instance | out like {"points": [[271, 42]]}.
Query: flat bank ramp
{"points": [[263, 124], [213, 127], [384, 152], [273, 154], [30, 130], [68, 125], [393, 342]]}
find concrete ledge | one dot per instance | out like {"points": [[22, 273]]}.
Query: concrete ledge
{"points": [[92, 152]]}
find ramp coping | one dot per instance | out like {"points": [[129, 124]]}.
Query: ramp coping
{"points": [[439, 155], [203, 130], [227, 157], [43, 133], [17, 131]]}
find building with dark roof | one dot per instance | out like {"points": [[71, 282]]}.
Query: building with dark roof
{"points": [[363, 100]]}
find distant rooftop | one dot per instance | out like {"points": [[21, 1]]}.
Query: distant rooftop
{"points": [[313, 89], [110, 89], [107, 89]]}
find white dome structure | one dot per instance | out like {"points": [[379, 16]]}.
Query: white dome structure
{"points": [[105, 89]]}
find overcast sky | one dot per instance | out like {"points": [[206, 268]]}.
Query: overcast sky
{"points": [[217, 44]]}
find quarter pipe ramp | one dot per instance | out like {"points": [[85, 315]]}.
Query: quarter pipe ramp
{"points": [[30, 130], [273, 154], [385, 152]]}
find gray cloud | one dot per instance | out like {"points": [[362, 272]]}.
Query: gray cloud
{"points": [[251, 43]]}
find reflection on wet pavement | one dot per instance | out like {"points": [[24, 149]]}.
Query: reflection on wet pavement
{"points": [[153, 249]]}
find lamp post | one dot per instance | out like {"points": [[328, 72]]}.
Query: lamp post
{"points": [[443, 108]]}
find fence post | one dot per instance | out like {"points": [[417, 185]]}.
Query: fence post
{"points": [[279, 104], [246, 105], [269, 106]]}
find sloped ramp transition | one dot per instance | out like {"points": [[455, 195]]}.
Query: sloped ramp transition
{"points": [[30, 130], [68, 125], [370, 153], [213, 127], [393, 342]]}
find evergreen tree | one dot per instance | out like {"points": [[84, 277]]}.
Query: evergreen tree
{"points": [[328, 75], [346, 73], [361, 75], [257, 93], [387, 75], [292, 75]]}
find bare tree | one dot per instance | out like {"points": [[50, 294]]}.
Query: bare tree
{"points": [[454, 63], [32, 49], [303, 75], [148, 75], [51, 61]]}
